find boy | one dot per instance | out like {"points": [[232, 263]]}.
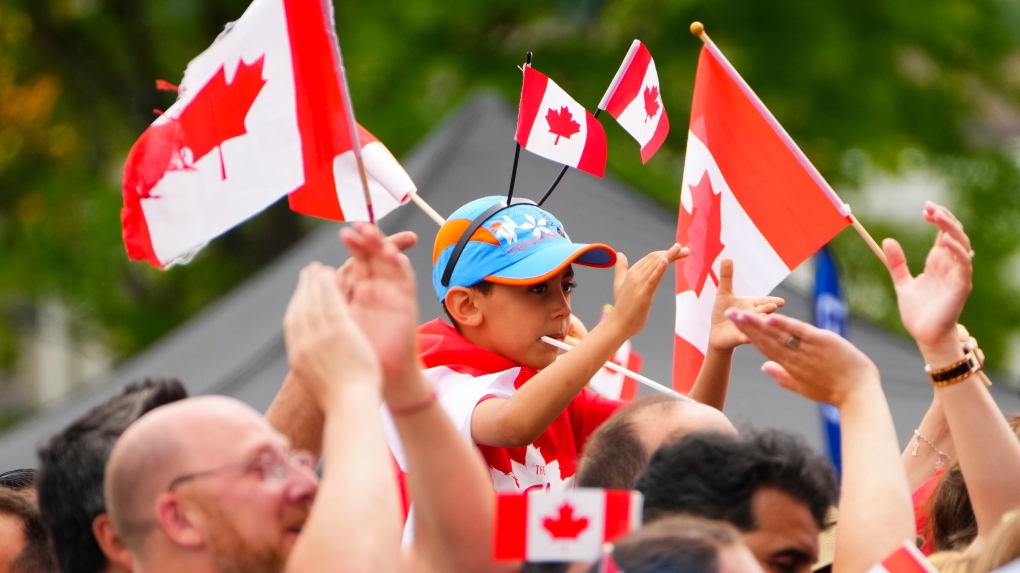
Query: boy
{"points": [[504, 276]]}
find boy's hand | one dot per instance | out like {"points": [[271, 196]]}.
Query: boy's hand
{"points": [[821, 366], [403, 241], [325, 347], [634, 287], [725, 336], [383, 301]]}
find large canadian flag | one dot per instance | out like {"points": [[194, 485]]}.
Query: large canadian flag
{"points": [[568, 525], [551, 124], [749, 194], [907, 559], [255, 119], [633, 99]]}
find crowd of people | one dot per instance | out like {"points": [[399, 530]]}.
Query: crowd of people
{"points": [[388, 440]]}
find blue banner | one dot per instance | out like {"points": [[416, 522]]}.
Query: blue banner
{"points": [[831, 314]]}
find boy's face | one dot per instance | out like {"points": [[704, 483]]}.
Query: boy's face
{"points": [[515, 318]]}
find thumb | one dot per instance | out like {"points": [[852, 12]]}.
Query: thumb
{"points": [[619, 271], [725, 276], [775, 370], [896, 262]]}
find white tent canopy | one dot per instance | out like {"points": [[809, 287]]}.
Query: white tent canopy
{"points": [[235, 346]]}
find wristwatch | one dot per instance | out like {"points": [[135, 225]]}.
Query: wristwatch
{"points": [[954, 372]]}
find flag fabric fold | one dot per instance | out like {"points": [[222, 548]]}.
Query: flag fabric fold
{"points": [[568, 525], [616, 385], [551, 124], [749, 194], [254, 121], [634, 100]]}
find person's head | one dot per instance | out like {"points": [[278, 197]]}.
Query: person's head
{"points": [[618, 451], [70, 481], [768, 484], [208, 483], [24, 546], [504, 276], [952, 525], [685, 545]]}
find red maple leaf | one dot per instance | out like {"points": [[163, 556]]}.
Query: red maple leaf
{"points": [[700, 230], [566, 527], [562, 123], [651, 103], [214, 115]]}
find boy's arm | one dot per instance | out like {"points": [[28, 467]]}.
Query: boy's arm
{"points": [[875, 513], [713, 379], [448, 480], [337, 367], [930, 306], [520, 420]]}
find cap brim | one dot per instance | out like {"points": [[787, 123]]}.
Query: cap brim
{"points": [[550, 261]]}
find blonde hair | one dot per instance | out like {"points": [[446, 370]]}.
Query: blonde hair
{"points": [[1002, 547]]}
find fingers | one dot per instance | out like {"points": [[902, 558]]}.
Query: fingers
{"points": [[676, 252], [896, 262], [619, 273], [776, 370], [961, 254], [403, 240], [946, 222], [726, 278]]}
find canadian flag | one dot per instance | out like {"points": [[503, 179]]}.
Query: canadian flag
{"points": [[612, 384], [551, 124], [569, 525], [255, 119], [749, 194], [633, 99], [907, 559]]}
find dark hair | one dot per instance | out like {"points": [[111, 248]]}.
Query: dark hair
{"points": [[715, 476], [614, 456], [71, 471], [18, 480], [674, 545], [35, 556], [483, 287]]}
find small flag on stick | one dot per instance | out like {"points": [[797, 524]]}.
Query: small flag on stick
{"points": [[566, 525], [749, 194], [617, 385], [907, 559], [551, 124], [633, 99]]}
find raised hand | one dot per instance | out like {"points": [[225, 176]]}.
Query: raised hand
{"points": [[817, 364], [383, 298], [634, 287], [403, 241], [326, 348], [930, 303], [725, 335]]}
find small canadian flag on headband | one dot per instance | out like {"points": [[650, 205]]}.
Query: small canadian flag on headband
{"points": [[567, 525], [551, 124], [633, 99], [907, 559]]}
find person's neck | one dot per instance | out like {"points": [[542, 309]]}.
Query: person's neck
{"points": [[175, 561], [112, 567]]}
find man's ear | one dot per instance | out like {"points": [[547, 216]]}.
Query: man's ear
{"points": [[178, 522], [110, 543], [462, 306]]}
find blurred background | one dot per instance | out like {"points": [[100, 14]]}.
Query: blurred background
{"points": [[894, 102]]}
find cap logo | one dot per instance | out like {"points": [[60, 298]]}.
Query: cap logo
{"points": [[516, 236]]}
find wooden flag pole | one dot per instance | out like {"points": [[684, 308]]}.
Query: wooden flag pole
{"points": [[432, 213], [698, 29]]}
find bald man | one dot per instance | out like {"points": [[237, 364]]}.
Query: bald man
{"points": [[618, 451]]}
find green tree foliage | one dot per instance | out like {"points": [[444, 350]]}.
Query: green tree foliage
{"points": [[855, 82]]}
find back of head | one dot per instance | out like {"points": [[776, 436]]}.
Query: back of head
{"points": [[715, 476], [35, 555], [614, 455], [22, 480], [676, 545], [72, 464]]}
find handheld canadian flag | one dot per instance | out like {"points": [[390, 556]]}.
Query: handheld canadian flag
{"points": [[613, 384], [907, 559], [551, 124], [749, 194], [568, 525], [633, 99], [254, 121]]}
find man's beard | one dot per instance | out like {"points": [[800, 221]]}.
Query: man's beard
{"points": [[233, 554]]}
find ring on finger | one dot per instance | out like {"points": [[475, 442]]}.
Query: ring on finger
{"points": [[793, 342]]}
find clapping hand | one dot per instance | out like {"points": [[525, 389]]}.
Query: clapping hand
{"points": [[634, 287], [725, 336]]}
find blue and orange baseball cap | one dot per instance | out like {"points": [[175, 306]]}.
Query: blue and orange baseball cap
{"points": [[517, 244]]}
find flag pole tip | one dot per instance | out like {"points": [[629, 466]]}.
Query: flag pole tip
{"points": [[697, 28]]}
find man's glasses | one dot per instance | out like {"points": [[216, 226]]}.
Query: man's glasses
{"points": [[271, 467]]}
